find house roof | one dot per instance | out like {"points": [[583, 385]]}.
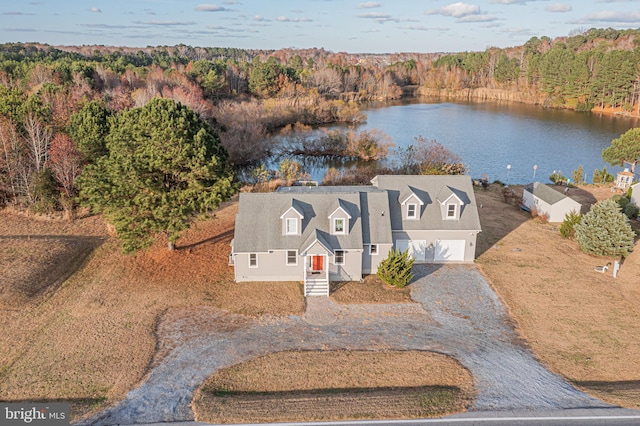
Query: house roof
{"points": [[259, 227], [431, 188], [546, 194]]}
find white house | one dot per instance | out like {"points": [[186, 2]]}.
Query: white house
{"points": [[548, 201], [635, 194]]}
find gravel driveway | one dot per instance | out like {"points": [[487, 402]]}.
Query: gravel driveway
{"points": [[456, 313]]}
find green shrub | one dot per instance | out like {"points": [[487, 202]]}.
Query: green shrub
{"points": [[557, 178], [631, 211], [395, 270], [567, 229], [578, 174], [602, 176], [605, 231]]}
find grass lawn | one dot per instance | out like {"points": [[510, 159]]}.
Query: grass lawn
{"points": [[336, 385], [582, 324]]}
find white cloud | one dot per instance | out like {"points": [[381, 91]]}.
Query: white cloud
{"points": [[95, 10], [369, 5], [165, 23], [610, 17], [209, 8], [285, 19], [477, 18], [258, 18], [558, 7], [379, 17], [456, 10]]}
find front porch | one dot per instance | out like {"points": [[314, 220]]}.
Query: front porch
{"points": [[316, 275]]}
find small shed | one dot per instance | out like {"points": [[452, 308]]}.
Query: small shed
{"points": [[548, 201], [635, 194], [624, 179]]}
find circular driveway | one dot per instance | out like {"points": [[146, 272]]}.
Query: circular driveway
{"points": [[456, 313]]}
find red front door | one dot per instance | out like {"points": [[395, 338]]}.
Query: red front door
{"points": [[317, 263]]}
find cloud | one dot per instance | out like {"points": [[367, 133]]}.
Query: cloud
{"points": [[558, 7], [210, 8], [523, 2], [369, 5], [423, 28], [285, 19], [95, 10], [379, 17], [230, 2], [258, 18], [18, 13], [477, 18], [609, 17], [614, 1], [165, 23], [456, 10]]}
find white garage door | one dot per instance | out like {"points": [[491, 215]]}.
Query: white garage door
{"points": [[449, 250], [417, 248]]}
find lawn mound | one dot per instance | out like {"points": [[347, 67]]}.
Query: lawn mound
{"points": [[335, 385]]}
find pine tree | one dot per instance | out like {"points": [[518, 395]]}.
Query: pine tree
{"points": [[605, 231], [395, 270], [164, 166]]}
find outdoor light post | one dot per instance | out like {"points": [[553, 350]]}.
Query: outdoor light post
{"points": [[535, 167], [508, 170]]}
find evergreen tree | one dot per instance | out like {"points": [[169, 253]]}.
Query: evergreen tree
{"points": [[605, 231], [89, 128], [395, 270], [624, 150], [164, 166]]}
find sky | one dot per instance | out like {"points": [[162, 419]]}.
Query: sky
{"points": [[385, 26]]}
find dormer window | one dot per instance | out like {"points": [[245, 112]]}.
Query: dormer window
{"points": [[412, 210], [339, 219], [452, 211], [291, 226]]}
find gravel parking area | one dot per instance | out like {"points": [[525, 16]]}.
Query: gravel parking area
{"points": [[457, 313]]}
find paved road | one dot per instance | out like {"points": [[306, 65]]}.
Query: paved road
{"points": [[456, 313]]}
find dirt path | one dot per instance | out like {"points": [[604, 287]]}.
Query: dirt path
{"points": [[457, 314]]}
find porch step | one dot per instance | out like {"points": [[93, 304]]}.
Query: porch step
{"points": [[316, 288]]}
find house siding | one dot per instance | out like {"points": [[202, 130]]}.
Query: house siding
{"points": [[370, 262], [350, 271], [635, 194], [271, 267]]}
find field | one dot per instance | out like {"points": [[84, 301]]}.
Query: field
{"points": [[80, 318], [582, 324]]}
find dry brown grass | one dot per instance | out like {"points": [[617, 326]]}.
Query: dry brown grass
{"points": [[582, 324], [371, 290], [93, 339], [295, 386]]}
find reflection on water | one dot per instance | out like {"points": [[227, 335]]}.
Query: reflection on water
{"points": [[490, 136]]}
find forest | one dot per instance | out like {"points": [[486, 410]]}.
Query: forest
{"points": [[57, 102]]}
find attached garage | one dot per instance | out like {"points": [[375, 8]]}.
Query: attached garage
{"points": [[449, 251], [417, 248]]}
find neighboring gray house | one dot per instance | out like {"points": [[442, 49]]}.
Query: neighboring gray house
{"points": [[635, 194], [340, 233], [548, 201]]}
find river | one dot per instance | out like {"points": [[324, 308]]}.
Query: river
{"points": [[503, 140]]}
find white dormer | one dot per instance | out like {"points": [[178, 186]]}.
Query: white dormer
{"points": [[292, 219], [410, 204], [450, 204], [339, 219]]}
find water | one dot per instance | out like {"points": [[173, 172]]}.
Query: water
{"points": [[491, 136]]}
